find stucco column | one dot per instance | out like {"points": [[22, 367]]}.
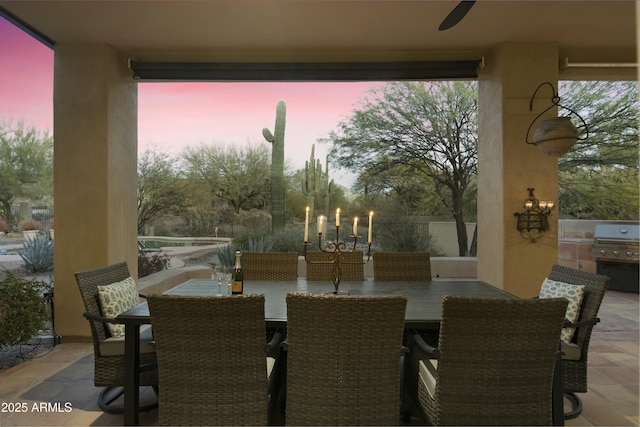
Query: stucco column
{"points": [[95, 157], [508, 166]]}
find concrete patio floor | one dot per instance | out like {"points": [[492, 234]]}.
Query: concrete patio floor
{"points": [[57, 388]]}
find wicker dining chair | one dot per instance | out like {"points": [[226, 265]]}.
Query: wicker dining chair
{"points": [[270, 266], [213, 362], [108, 350], [494, 362], [343, 359], [402, 266], [320, 269], [574, 358]]}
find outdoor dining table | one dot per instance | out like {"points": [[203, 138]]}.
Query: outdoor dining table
{"points": [[424, 311]]}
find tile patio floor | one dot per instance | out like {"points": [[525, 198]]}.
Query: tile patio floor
{"points": [[43, 386]]}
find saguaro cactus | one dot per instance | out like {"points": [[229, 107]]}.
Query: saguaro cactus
{"points": [[277, 167], [326, 186], [311, 178]]}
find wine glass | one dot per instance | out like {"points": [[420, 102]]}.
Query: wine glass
{"points": [[218, 277], [227, 277]]}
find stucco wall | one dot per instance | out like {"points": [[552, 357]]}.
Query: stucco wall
{"points": [[575, 241]]}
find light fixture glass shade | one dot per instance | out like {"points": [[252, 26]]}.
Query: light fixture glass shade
{"points": [[555, 136], [533, 222]]}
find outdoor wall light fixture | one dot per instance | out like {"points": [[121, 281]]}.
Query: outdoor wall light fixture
{"points": [[534, 220], [554, 136]]}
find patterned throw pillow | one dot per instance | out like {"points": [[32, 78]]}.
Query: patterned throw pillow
{"points": [[574, 293], [117, 298]]}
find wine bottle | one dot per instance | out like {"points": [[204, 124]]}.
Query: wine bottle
{"points": [[237, 284]]}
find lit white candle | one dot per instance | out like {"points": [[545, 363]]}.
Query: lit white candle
{"points": [[306, 224], [355, 226], [338, 217], [320, 220], [370, 227]]}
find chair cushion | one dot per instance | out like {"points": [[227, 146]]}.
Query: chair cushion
{"points": [[425, 376], [117, 298], [115, 346], [271, 363], [573, 293], [570, 351]]}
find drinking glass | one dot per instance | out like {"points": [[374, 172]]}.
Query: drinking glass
{"points": [[228, 276], [217, 275]]}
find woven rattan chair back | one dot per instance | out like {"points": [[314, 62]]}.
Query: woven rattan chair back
{"points": [[574, 372], [319, 268], [343, 359], [496, 361], [211, 359], [270, 265], [402, 266], [88, 282], [108, 370]]}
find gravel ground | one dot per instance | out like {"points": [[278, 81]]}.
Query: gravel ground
{"points": [[14, 355]]}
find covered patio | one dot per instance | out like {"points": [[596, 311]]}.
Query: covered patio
{"points": [[102, 49]]}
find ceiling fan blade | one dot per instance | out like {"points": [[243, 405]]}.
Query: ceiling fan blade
{"points": [[456, 14]]}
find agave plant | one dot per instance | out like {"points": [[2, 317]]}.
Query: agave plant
{"points": [[37, 253], [227, 255], [259, 244]]}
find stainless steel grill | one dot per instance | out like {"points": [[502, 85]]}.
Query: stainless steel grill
{"points": [[616, 250]]}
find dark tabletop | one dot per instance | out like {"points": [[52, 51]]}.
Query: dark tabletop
{"points": [[424, 303]]}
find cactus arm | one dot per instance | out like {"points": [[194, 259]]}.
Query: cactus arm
{"points": [[268, 135]]}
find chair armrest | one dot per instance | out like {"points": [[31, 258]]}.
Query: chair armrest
{"points": [[423, 348], [422, 351], [273, 346], [586, 322], [102, 319]]}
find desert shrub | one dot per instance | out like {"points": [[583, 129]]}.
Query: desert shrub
{"points": [[288, 240], [29, 224], [259, 244], [400, 232], [37, 253], [400, 236], [22, 308], [242, 238], [200, 222], [152, 262]]}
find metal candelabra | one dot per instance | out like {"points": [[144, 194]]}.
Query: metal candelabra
{"points": [[336, 251]]}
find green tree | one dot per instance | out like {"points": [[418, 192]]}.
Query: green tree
{"points": [[238, 175], [598, 177], [160, 190], [26, 165], [427, 128]]}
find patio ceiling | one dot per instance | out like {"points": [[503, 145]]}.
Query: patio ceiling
{"points": [[345, 30]]}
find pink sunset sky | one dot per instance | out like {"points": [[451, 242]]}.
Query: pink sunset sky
{"points": [[172, 116]]}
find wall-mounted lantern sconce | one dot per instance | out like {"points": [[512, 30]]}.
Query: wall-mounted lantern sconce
{"points": [[554, 136], [534, 220]]}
